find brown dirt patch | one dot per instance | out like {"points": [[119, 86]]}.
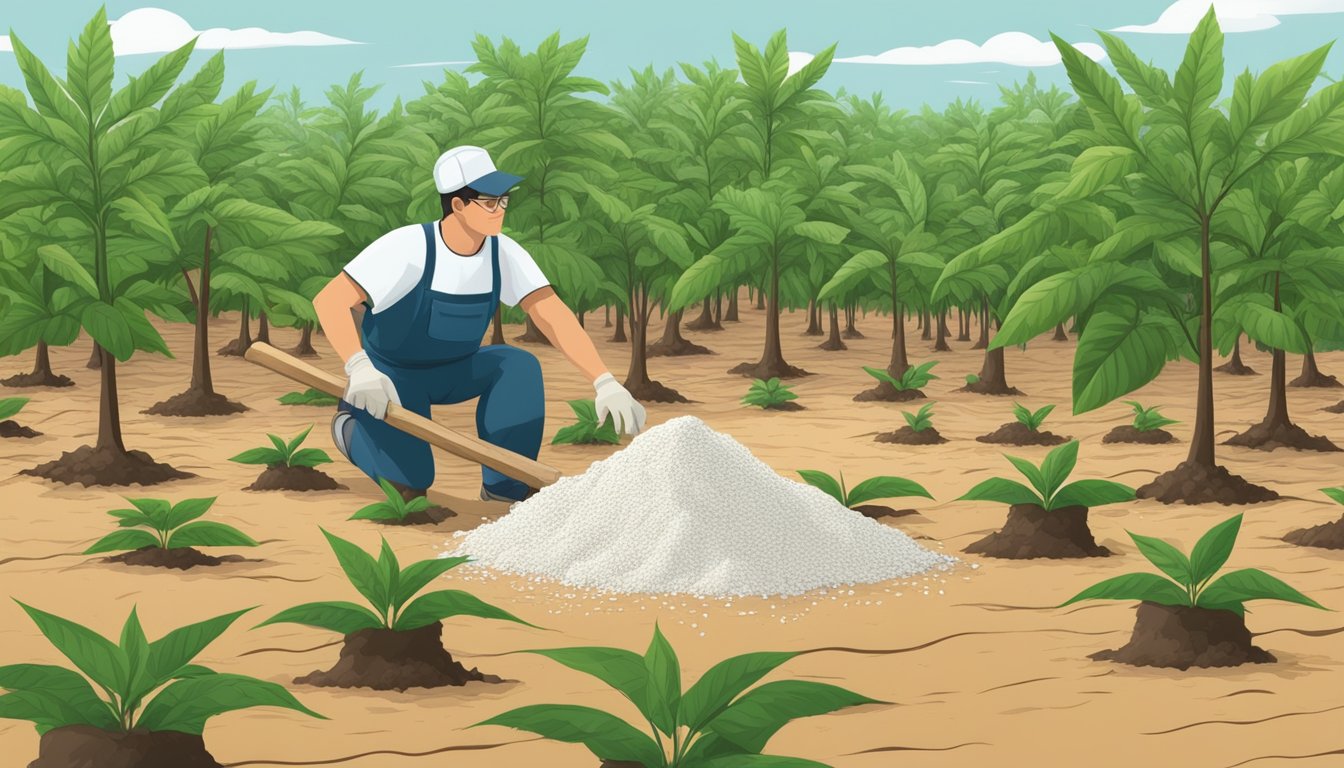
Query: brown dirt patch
{"points": [[11, 428], [884, 392], [43, 379], [877, 511], [87, 465], [278, 477], [195, 403], [1181, 637], [1195, 484], [1017, 433], [1327, 536], [1126, 433], [907, 436], [1031, 532], [1269, 437], [83, 746], [180, 558], [386, 660]]}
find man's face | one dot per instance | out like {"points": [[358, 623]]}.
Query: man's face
{"points": [[484, 214]]}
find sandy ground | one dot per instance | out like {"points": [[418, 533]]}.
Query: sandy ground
{"points": [[981, 669]]}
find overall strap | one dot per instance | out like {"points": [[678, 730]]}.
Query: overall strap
{"points": [[494, 274], [431, 249]]}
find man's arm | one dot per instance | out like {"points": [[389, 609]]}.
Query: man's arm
{"points": [[559, 324], [333, 304]]}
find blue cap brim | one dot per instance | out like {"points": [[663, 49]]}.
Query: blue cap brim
{"points": [[495, 183]]}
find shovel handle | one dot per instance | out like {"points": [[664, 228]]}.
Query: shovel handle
{"points": [[530, 471]]}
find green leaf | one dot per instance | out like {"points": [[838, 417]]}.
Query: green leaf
{"points": [[362, 571], [606, 736], [1167, 558], [1091, 493], [881, 375], [1336, 494], [437, 606], [10, 406], [46, 710], [1003, 491], [623, 670], [1115, 356], [336, 616], [60, 262], [135, 646], [824, 232], [417, 576], [1199, 79], [259, 456], [204, 533], [1098, 167], [66, 686], [171, 653], [381, 510], [1134, 586], [109, 328], [123, 540], [1115, 118], [1058, 465], [185, 705], [89, 65], [189, 509], [711, 694], [754, 718], [90, 652], [886, 487], [1251, 584], [1032, 473], [1272, 329], [293, 444], [1213, 549], [391, 569], [664, 688], [309, 457], [825, 482]]}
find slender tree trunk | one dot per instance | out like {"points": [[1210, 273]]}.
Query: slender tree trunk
{"points": [[533, 334], [983, 341], [941, 344], [619, 334], [760, 299], [833, 343], [851, 331], [730, 315], [1060, 335], [718, 310], [926, 322], [899, 360], [42, 375], [963, 325], [263, 328], [813, 319], [95, 358], [993, 374], [606, 316], [1201, 440], [305, 346], [201, 379], [581, 314], [1234, 365], [772, 363], [109, 407], [1311, 375]]}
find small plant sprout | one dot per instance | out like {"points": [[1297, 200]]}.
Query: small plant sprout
{"points": [[393, 507], [284, 454], [1029, 419], [768, 393], [914, 377], [1148, 419], [587, 431], [920, 420], [1048, 481], [10, 406], [971, 378], [169, 526], [309, 396], [882, 487], [715, 723], [1191, 582]]}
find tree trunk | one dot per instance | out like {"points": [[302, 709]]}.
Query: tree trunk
{"points": [[532, 334], [705, 321], [109, 407], [993, 375], [239, 346], [42, 375], [1234, 366], [619, 335], [718, 310], [760, 299], [95, 358], [851, 332], [305, 346], [963, 325], [813, 319], [581, 314], [983, 341], [730, 315], [941, 345], [926, 324], [606, 315], [263, 329], [772, 363], [1312, 376], [1060, 335], [673, 344], [833, 342]]}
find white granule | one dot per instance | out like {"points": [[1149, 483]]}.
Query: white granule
{"points": [[689, 510]]}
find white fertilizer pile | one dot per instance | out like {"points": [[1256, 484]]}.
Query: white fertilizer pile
{"points": [[686, 509]]}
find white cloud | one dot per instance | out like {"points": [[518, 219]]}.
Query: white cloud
{"points": [[5, 45], [431, 64], [1015, 48], [1233, 15], [154, 30], [968, 82]]}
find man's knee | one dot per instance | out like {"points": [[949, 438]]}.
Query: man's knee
{"points": [[512, 362]]}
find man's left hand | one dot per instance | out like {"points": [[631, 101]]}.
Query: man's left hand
{"points": [[614, 399]]}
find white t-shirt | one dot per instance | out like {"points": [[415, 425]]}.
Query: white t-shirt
{"points": [[393, 264]]}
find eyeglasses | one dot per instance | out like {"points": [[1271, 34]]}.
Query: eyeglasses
{"points": [[492, 204]]}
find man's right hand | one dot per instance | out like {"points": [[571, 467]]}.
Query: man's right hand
{"points": [[368, 388]]}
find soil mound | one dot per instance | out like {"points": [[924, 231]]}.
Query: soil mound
{"points": [[278, 477], [1031, 532], [1235, 367], [11, 428], [194, 403], [180, 558], [983, 387], [37, 379], [1327, 536], [787, 405], [1336, 408], [1268, 437], [1017, 433], [1181, 637], [907, 436], [678, 348], [884, 392], [1195, 484], [1126, 433], [387, 660], [83, 746], [88, 465]]}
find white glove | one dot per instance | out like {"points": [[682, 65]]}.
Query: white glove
{"points": [[368, 388], [614, 399]]}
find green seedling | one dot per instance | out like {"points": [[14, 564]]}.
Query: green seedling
{"points": [[393, 507], [715, 723], [587, 431], [920, 420], [765, 393], [1048, 480], [1148, 419], [309, 396], [1029, 419], [1191, 583], [127, 673], [914, 377], [882, 487], [971, 378], [10, 406], [172, 527], [388, 587], [284, 454]]}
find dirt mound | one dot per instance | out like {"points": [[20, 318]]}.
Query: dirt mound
{"points": [[983, 387], [907, 436], [1316, 380], [11, 428], [1268, 437], [1327, 536], [235, 348], [430, 516], [83, 746], [767, 371], [387, 660], [195, 403], [1017, 433], [278, 477], [886, 393], [787, 405], [37, 379], [1181, 637], [180, 558], [877, 511], [1126, 433], [88, 465], [1336, 408], [1195, 484], [656, 392], [678, 348], [1031, 531]]}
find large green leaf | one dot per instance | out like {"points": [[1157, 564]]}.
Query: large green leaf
{"points": [[67, 686], [60, 262], [825, 482], [44, 709], [1115, 118], [259, 456], [109, 328], [189, 509], [185, 705], [1272, 96], [436, 606], [712, 693], [1116, 355], [362, 571], [886, 487], [1098, 167], [1251, 584], [1270, 328], [1052, 300], [90, 652], [1134, 586], [118, 541], [1057, 467], [1150, 83], [1031, 472], [417, 576], [148, 87], [171, 653], [1003, 491], [1199, 79], [606, 736], [206, 533], [10, 406], [1091, 493], [1167, 558], [1213, 549], [336, 616], [663, 694], [758, 714], [621, 669]]}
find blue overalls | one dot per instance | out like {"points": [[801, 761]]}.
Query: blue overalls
{"points": [[429, 344]]}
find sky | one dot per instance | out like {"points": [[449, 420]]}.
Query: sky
{"points": [[913, 52]]}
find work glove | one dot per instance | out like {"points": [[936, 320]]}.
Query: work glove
{"points": [[612, 398], [368, 388]]}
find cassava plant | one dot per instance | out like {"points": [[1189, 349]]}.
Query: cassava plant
{"points": [[393, 508], [286, 454], [587, 431], [1030, 419], [309, 396], [769, 393], [881, 487], [715, 722], [920, 420], [1148, 419], [157, 523], [909, 382]]}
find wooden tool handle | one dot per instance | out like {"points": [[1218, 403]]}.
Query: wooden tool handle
{"points": [[532, 472]]}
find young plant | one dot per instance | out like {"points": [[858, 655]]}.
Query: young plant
{"points": [[394, 507], [1191, 578], [1148, 419], [914, 377], [170, 526], [971, 378], [765, 393], [10, 406], [388, 588], [587, 431], [920, 420], [309, 396], [715, 722], [882, 487], [129, 673], [1030, 420], [1048, 480], [284, 454]]}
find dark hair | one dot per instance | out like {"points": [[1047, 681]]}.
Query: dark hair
{"points": [[465, 194]]}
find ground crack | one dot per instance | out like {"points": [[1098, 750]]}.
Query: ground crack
{"points": [[348, 758]]}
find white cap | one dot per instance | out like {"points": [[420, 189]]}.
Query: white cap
{"points": [[468, 166]]}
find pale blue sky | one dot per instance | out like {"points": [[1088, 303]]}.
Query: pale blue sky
{"points": [[634, 34]]}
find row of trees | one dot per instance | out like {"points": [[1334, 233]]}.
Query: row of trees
{"points": [[1160, 223]]}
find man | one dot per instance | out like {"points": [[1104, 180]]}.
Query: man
{"points": [[431, 291]]}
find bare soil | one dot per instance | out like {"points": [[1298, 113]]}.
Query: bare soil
{"points": [[1269, 437], [82, 746], [1326, 535], [1126, 433], [180, 558], [279, 477], [884, 392], [1194, 484], [387, 660], [907, 436], [1017, 433], [1031, 531], [1182, 637]]}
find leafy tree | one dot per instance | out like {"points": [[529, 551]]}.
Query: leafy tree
{"points": [[37, 303]]}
